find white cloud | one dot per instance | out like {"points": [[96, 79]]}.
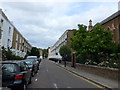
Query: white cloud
{"points": [[43, 23]]}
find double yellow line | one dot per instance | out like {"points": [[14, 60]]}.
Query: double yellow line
{"points": [[99, 86]]}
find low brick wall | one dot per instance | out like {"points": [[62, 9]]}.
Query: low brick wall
{"points": [[110, 73]]}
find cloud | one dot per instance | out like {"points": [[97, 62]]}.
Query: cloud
{"points": [[42, 23]]}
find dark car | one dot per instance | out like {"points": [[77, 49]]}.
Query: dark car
{"points": [[36, 59], [15, 74], [32, 65]]}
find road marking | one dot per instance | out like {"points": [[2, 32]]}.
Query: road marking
{"points": [[68, 87], [47, 70], [36, 79], [55, 85], [81, 78]]}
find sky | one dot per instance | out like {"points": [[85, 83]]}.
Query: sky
{"points": [[42, 23]]}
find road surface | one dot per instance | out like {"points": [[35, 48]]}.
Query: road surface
{"points": [[51, 75]]}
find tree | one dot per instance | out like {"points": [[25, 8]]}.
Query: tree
{"points": [[45, 53], [8, 55], [65, 52], [92, 46], [34, 52], [77, 42], [98, 44]]}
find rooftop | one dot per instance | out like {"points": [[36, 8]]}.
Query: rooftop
{"points": [[110, 17]]}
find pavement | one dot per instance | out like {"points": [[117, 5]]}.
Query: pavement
{"points": [[105, 82]]}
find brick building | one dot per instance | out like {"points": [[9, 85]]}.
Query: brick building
{"points": [[112, 23]]}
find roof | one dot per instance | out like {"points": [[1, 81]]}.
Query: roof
{"points": [[110, 17]]}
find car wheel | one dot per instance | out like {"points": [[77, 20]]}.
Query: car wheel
{"points": [[33, 73], [24, 87], [30, 81]]}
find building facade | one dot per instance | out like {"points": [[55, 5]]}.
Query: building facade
{"points": [[20, 45], [40, 52], [11, 38], [63, 40], [6, 28], [112, 23]]}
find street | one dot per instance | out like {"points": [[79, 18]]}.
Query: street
{"points": [[52, 76]]}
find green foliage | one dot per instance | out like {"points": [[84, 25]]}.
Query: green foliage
{"points": [[8, 55], [34, 52], [65, 52], [94, 46], [45, 53]]}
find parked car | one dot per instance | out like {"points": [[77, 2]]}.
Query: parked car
{"points": [[36, 59], [32, 65], [15, 74]]}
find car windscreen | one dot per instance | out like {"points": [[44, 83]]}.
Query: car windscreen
{"points": [[9, 68], [29, 62], [31, 57]]}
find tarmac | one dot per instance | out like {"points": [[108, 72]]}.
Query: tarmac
{"points": [[107, 83]]}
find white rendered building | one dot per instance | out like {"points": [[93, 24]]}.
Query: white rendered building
{"points": [[6, 31]]}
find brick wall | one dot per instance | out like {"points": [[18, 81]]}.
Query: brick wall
{"points": [[109, 73]]}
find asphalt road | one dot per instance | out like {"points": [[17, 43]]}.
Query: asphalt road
{"points": [[51, 75]]}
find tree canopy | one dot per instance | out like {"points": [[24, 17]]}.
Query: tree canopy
{"points": [[92, 46], [65, 52], [34, 52]]}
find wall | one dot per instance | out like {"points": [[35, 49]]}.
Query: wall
{"points": [[7, 31], [20, 46], [109, 73], [112, 23]]}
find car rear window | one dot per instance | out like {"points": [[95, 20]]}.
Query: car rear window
{"points": [[9, 68]]}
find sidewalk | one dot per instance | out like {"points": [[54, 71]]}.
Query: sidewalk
{"points": [[92, 77]]}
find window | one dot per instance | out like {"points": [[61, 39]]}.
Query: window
{"points": [[19, 47], [9, 68], [23, 66], [9, 30], [16, 36], [2, 21], [8, 42], [16, 46]]}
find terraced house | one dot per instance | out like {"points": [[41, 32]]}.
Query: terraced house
{"points": [[11, 38], [63, 40], [20, 45]]}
